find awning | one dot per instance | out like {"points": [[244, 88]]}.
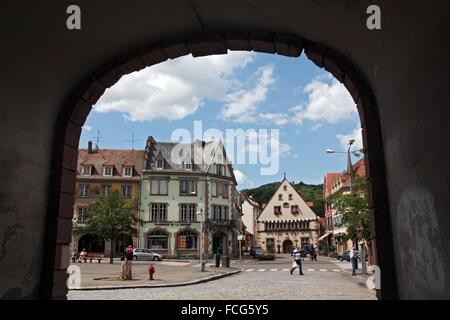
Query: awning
{"points": [[324, 236]]}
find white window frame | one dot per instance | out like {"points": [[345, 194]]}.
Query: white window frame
{"points": [[83, 170], [162, 164], [125, 171], [105, 187], [188, 212], [108, 167], [158, 192], [158, 212], [83, 188], [191, 187], [128, 187], [83, 220]]}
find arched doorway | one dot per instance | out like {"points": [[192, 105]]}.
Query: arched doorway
{"points": [[91, 243], [219, 243], [287, 246], [282, 44]]}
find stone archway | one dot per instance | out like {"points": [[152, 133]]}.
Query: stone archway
{"points": [[201, 44], [288, 246]]}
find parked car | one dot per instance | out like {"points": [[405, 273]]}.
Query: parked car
{"points": [[146, 254], [346, 256], [256, 251]]}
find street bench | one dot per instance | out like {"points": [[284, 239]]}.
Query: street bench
{"points": [[88, 257]]}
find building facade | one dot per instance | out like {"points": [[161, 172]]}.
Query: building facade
{"points": [[98, 172], [338, 183], [188, 193], [250, 212], [286, 221]]}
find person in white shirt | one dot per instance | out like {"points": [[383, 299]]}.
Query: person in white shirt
{"points": [[297, 262], [354, 260]]}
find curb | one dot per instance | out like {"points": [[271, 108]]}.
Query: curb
{"points": [[167, 285]]}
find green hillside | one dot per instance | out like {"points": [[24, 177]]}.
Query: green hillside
{"points": [[309, 192]]}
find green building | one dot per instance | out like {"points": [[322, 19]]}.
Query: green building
{"points": [[186, 187]]}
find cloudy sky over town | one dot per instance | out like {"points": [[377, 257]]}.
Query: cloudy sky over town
{"points": [[241, 90]]}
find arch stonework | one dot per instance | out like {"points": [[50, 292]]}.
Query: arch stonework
{"points": [[79, 105]]}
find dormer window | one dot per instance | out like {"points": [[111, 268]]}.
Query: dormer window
{"points": [[160, 164], [86, 170], [108, 171], [220, 169], [128, 171]]}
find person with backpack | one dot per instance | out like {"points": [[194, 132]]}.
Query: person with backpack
{"points": [[297, 261]]}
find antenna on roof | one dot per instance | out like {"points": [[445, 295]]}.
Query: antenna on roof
{"points": [[97, 140], [132, 141]]}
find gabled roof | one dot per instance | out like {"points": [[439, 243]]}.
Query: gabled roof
{"points": [[306, 213], [177, 154], [249, 199]]}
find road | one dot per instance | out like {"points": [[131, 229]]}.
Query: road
{"points": [[324, 279]]}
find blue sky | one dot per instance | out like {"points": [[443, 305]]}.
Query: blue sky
{"points": [[240, 90]]}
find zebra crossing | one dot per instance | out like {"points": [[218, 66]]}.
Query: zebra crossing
{"points": [[285, 269]]}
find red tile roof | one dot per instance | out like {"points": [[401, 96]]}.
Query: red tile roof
{"points": [[115, 157], [331, 178]]}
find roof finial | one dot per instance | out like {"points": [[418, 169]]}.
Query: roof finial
{"points": [[285, 175]]}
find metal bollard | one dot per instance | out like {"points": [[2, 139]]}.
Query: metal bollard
{"points": [[151, 271]]}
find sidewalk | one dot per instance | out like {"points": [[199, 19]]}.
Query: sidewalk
{"points": [[96, 276]]}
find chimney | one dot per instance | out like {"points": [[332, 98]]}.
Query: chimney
{"points": [[89, 146]]}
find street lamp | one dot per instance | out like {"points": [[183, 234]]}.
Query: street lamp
{"points": [[200, 213], [349, 160]]}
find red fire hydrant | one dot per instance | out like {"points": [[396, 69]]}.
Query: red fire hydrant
{"points": [[151, 271]]}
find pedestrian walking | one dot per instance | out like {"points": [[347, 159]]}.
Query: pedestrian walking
{"points": [[297, 261], [313, 253], [354, 260]]}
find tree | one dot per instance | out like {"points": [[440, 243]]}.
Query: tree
{"points": [[112, 217], [355, 211]]}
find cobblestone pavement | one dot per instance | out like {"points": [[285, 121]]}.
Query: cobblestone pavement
{"points": [[267, 280], [167, 272]]}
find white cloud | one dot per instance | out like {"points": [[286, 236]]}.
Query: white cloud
{"points": [[173, 89], [87, 128], [355, 134], [241, 178], [241, 104], [329, 102], [316, 127], [278, 118]]}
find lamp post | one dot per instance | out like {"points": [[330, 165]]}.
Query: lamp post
{"points": [[349, 160], [200, 213]]}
